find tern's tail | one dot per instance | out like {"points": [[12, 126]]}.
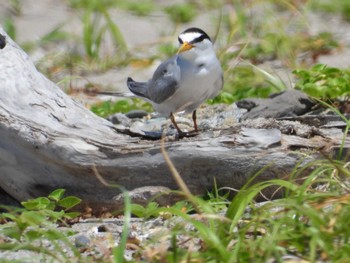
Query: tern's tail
{"points": [[138, 88], [114, 93]]}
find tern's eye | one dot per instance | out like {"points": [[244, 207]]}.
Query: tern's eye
{"points": [[180, 40]]}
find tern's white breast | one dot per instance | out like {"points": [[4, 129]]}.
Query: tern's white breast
{"points": [[200, 80]]}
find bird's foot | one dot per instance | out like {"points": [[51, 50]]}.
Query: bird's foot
{"points": [[189, 134]]}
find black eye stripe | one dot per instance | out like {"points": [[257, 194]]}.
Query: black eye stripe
{"points": [[201, 35], [196, 40], [199, 39]]}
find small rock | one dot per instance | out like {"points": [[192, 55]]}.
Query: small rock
{"points": [[288, 103], [133, 114], [152, 127], [81, 241], [120, 118]]}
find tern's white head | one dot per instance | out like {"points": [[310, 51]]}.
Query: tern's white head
{"points": [[194, 40]]}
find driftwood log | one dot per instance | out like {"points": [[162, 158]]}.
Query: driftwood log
{"points": [[49, 141]]}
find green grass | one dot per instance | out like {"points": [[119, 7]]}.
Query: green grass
{"points": [[310, 222], [106, 108]]}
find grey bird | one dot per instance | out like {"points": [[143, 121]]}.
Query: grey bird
{"points": [[183, 82]]}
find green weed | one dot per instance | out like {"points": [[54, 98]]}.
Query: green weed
{"points": [[107, 108], [309, 223], [28, 227], [322, 81], [119, 250]]}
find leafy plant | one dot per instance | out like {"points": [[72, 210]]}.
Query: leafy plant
{"points": [[151, 209], [35, 223], [224, 97], [54, 201], [107, 108], [323, 82]]}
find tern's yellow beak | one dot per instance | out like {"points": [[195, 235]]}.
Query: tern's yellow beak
{"points": [[184, 47]]}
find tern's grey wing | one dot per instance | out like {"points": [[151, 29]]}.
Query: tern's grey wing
{"points": [[138, 88], [165, 81]]}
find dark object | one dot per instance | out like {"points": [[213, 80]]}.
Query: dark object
{"points": [[102, 228], [2, 41], [133, 114], [289, 103]]}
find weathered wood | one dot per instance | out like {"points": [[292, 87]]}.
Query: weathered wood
{"points": [[49, 141]]}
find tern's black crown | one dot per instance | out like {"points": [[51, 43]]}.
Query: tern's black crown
{"points": [[202, 36]]}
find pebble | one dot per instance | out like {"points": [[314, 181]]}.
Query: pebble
{"points": [[120, 118], [133, 114], [81, 241], [209, 117]]}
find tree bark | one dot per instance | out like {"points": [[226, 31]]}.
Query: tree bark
{"points": [[49, 141]]}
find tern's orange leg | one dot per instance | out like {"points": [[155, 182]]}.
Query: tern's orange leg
{"points": [[172, 118], [181, 133], [194, 118]]}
